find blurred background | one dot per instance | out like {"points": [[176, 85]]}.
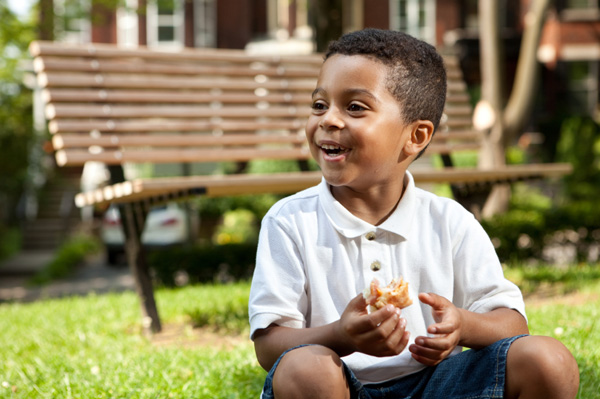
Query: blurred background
{"points": [[37, 213]]}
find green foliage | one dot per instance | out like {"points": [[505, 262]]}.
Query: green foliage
{"points": [[579, 145], [519, 234], [531, 278], [204, 263], [239, 226], [258, 204], [223, 308], [10, 242], [70, 255], [16, 126]]}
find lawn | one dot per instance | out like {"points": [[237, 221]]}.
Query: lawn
{"points": [[93, 347]]}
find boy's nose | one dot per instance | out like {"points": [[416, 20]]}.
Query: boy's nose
{"points": [[331, 120]]}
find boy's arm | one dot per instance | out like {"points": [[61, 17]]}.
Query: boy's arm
{"points": [[381, 333], [455, 326]]}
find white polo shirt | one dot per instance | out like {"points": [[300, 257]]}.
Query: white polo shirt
{"points": [[314, 256]]}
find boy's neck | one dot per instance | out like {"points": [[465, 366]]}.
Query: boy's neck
{"points": [[373, 205]]}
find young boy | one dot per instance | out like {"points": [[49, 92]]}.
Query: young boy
{"points": [[379, 98]]}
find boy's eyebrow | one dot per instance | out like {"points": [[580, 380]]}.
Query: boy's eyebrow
{"points": [[319, 90]]}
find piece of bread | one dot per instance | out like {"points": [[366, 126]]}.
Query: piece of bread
{"points": [[396, 293]]}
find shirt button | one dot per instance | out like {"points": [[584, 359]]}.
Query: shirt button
{"points": [[376, 266], [370, 236]]}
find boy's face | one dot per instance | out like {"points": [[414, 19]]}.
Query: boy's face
{"points": [[355, 131]]}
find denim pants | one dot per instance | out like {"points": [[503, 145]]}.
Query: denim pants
{"points": [[471, 374]]}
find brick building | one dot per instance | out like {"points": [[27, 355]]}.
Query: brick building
{"points": [[569, 50]]}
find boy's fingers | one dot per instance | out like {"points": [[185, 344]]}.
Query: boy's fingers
{"points": [[358, 303], [427, 353], [433, 300], [373, 321], [436, 344], [385, 321], [441, 328]]}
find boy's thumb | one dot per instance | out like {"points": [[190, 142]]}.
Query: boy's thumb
{"points": [[431, 299], [358, 302]]}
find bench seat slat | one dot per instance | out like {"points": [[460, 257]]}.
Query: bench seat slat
{"points": [[215, 186]]}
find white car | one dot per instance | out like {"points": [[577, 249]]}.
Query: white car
{"points": [[165, 226]]}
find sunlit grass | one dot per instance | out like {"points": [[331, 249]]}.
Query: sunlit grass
{"points": [[93, 347]]}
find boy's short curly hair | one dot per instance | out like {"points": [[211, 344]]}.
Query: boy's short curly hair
{"points": [[417, 77]]}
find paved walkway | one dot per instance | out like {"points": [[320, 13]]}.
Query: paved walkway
{"points": [[94, 276]]}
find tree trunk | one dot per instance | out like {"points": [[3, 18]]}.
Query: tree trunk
{"points": [[511, 118], [522, 96]]}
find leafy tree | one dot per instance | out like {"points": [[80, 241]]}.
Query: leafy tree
{"points": [[16, 126]]}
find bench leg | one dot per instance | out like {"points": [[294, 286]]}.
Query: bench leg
{"points": [[134, 218], [472, 198]]}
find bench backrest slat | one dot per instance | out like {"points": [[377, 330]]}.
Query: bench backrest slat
{"points": [[120, 105], [160, 155]]}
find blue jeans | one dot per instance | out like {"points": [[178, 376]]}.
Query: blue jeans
{"points": [[472, 374]]}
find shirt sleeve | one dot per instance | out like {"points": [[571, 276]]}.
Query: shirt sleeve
{"points": [[480, 285], [278, 290]]}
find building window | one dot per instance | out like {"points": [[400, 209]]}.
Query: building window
{"points": [[582, 86], [582, 3], [165, 19], [127, 24], [72, 21], [205, 27], [415, 17]]}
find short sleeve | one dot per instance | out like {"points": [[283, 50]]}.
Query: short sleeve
{"points": [[278, 291], [480, 285]]}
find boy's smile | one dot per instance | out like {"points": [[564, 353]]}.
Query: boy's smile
{"points": [[356, 132]]}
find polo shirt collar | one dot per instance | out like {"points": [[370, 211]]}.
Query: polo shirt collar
{"points": [[350, 226]]}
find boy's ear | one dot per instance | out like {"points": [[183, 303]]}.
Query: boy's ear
{"points": [[420, 136]]}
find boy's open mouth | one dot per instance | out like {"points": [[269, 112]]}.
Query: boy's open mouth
{"points": [[333, 150]]}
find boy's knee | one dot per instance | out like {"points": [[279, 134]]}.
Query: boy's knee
{"points": [[545, 360], [548, 354], [308, 367]]}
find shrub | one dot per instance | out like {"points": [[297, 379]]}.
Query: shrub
{"points": [[579, 145], [203, 263], [534, 222], [70, 255], [10, 241]]}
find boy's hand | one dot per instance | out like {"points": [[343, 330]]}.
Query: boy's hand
{"points": [[432, 350], [381, 333]]}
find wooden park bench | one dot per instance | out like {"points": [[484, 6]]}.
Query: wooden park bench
{"points": [[207, 106]]}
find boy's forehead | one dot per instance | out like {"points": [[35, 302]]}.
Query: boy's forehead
{"points": [[352, 70], [365, 66]]}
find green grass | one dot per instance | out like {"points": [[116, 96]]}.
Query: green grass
{"points": [[93, 347]]}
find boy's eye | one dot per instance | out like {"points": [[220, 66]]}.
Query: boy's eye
{"points": [[355, 107], [318, 106]]}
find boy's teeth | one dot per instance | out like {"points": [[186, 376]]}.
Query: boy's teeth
{"points": [[332, 148]]}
